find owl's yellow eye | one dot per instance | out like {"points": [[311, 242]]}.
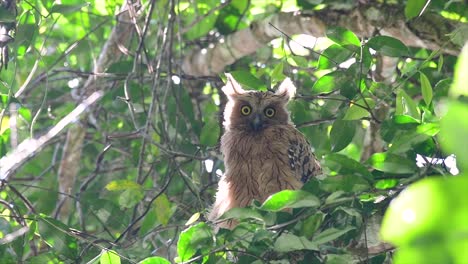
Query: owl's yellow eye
{"points": [[269, 112], [246, 110]]}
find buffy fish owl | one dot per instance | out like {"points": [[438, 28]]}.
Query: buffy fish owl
{"points": [[263, 151]]}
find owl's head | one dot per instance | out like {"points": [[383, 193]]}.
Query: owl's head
{"points": [[254, 111]]}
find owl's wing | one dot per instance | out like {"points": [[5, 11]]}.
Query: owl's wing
{"points": [[301, 158]]}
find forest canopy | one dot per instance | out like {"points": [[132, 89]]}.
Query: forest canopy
{"points": [[111, 116]]}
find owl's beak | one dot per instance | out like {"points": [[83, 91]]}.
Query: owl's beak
{"points": [[257, 123]]}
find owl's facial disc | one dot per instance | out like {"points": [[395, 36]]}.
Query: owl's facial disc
{"points": [[257, 122]]}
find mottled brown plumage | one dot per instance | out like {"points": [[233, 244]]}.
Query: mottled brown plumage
{"points": [[263, 152]]}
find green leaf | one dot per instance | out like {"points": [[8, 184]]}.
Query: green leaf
{"points": [[357, 109], [330, 235], [432, 209], [454, 131], [55, 234], [312, 223], [196, 237], [392, 163], [344, 165], [154, 260], [290, 199], [210, 132], [25, 113], [404, 120], [121, 185], [405, 105], [343, 37], [243, 213], [67, 9], [277, 73], [414, 7], [440, 63], [341, 134], [288, 242], [109, 257], [330, 82], [426, 88], [163, 209], [248, 80], [202, 17], [386, 184], [388, 46], [459, 86], [300, 61], [333, 56]]}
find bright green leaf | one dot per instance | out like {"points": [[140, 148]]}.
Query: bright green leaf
{"points": [[388, 46], [454, 131], [193, 238], [429, 210], [405, 120], [386, 184], [343, 37], [121, 185], [290, 199], [392, 163], [109, 257], [426, 88], [25, 113], [246, 79], [243, 213], [459, 86], [333, 56], [154, 260], [341, 134], [330, 82]]}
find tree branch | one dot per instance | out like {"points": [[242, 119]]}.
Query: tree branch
{"points": [[365, 22]]}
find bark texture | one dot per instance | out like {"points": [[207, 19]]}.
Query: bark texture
{"points": [[429, 31]]}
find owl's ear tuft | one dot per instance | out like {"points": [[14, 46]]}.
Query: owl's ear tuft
{"points": [[232, 87], [287, 89]]}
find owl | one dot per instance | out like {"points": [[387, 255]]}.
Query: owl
{"points": [[263, 151]]}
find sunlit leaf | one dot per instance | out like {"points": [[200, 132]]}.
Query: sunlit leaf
{"points": [[333, 56], [428, 209], [119, 185], [330, 82], [290, 199], [386, 183], [247, 80], [454, 131], [243, 213], [426, 88], [392, 163], [459, 86], [109, 257], [193, 238], [343, 37], [154, 260]]}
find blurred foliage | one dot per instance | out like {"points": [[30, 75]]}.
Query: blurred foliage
{"points": [[144, 201]]}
